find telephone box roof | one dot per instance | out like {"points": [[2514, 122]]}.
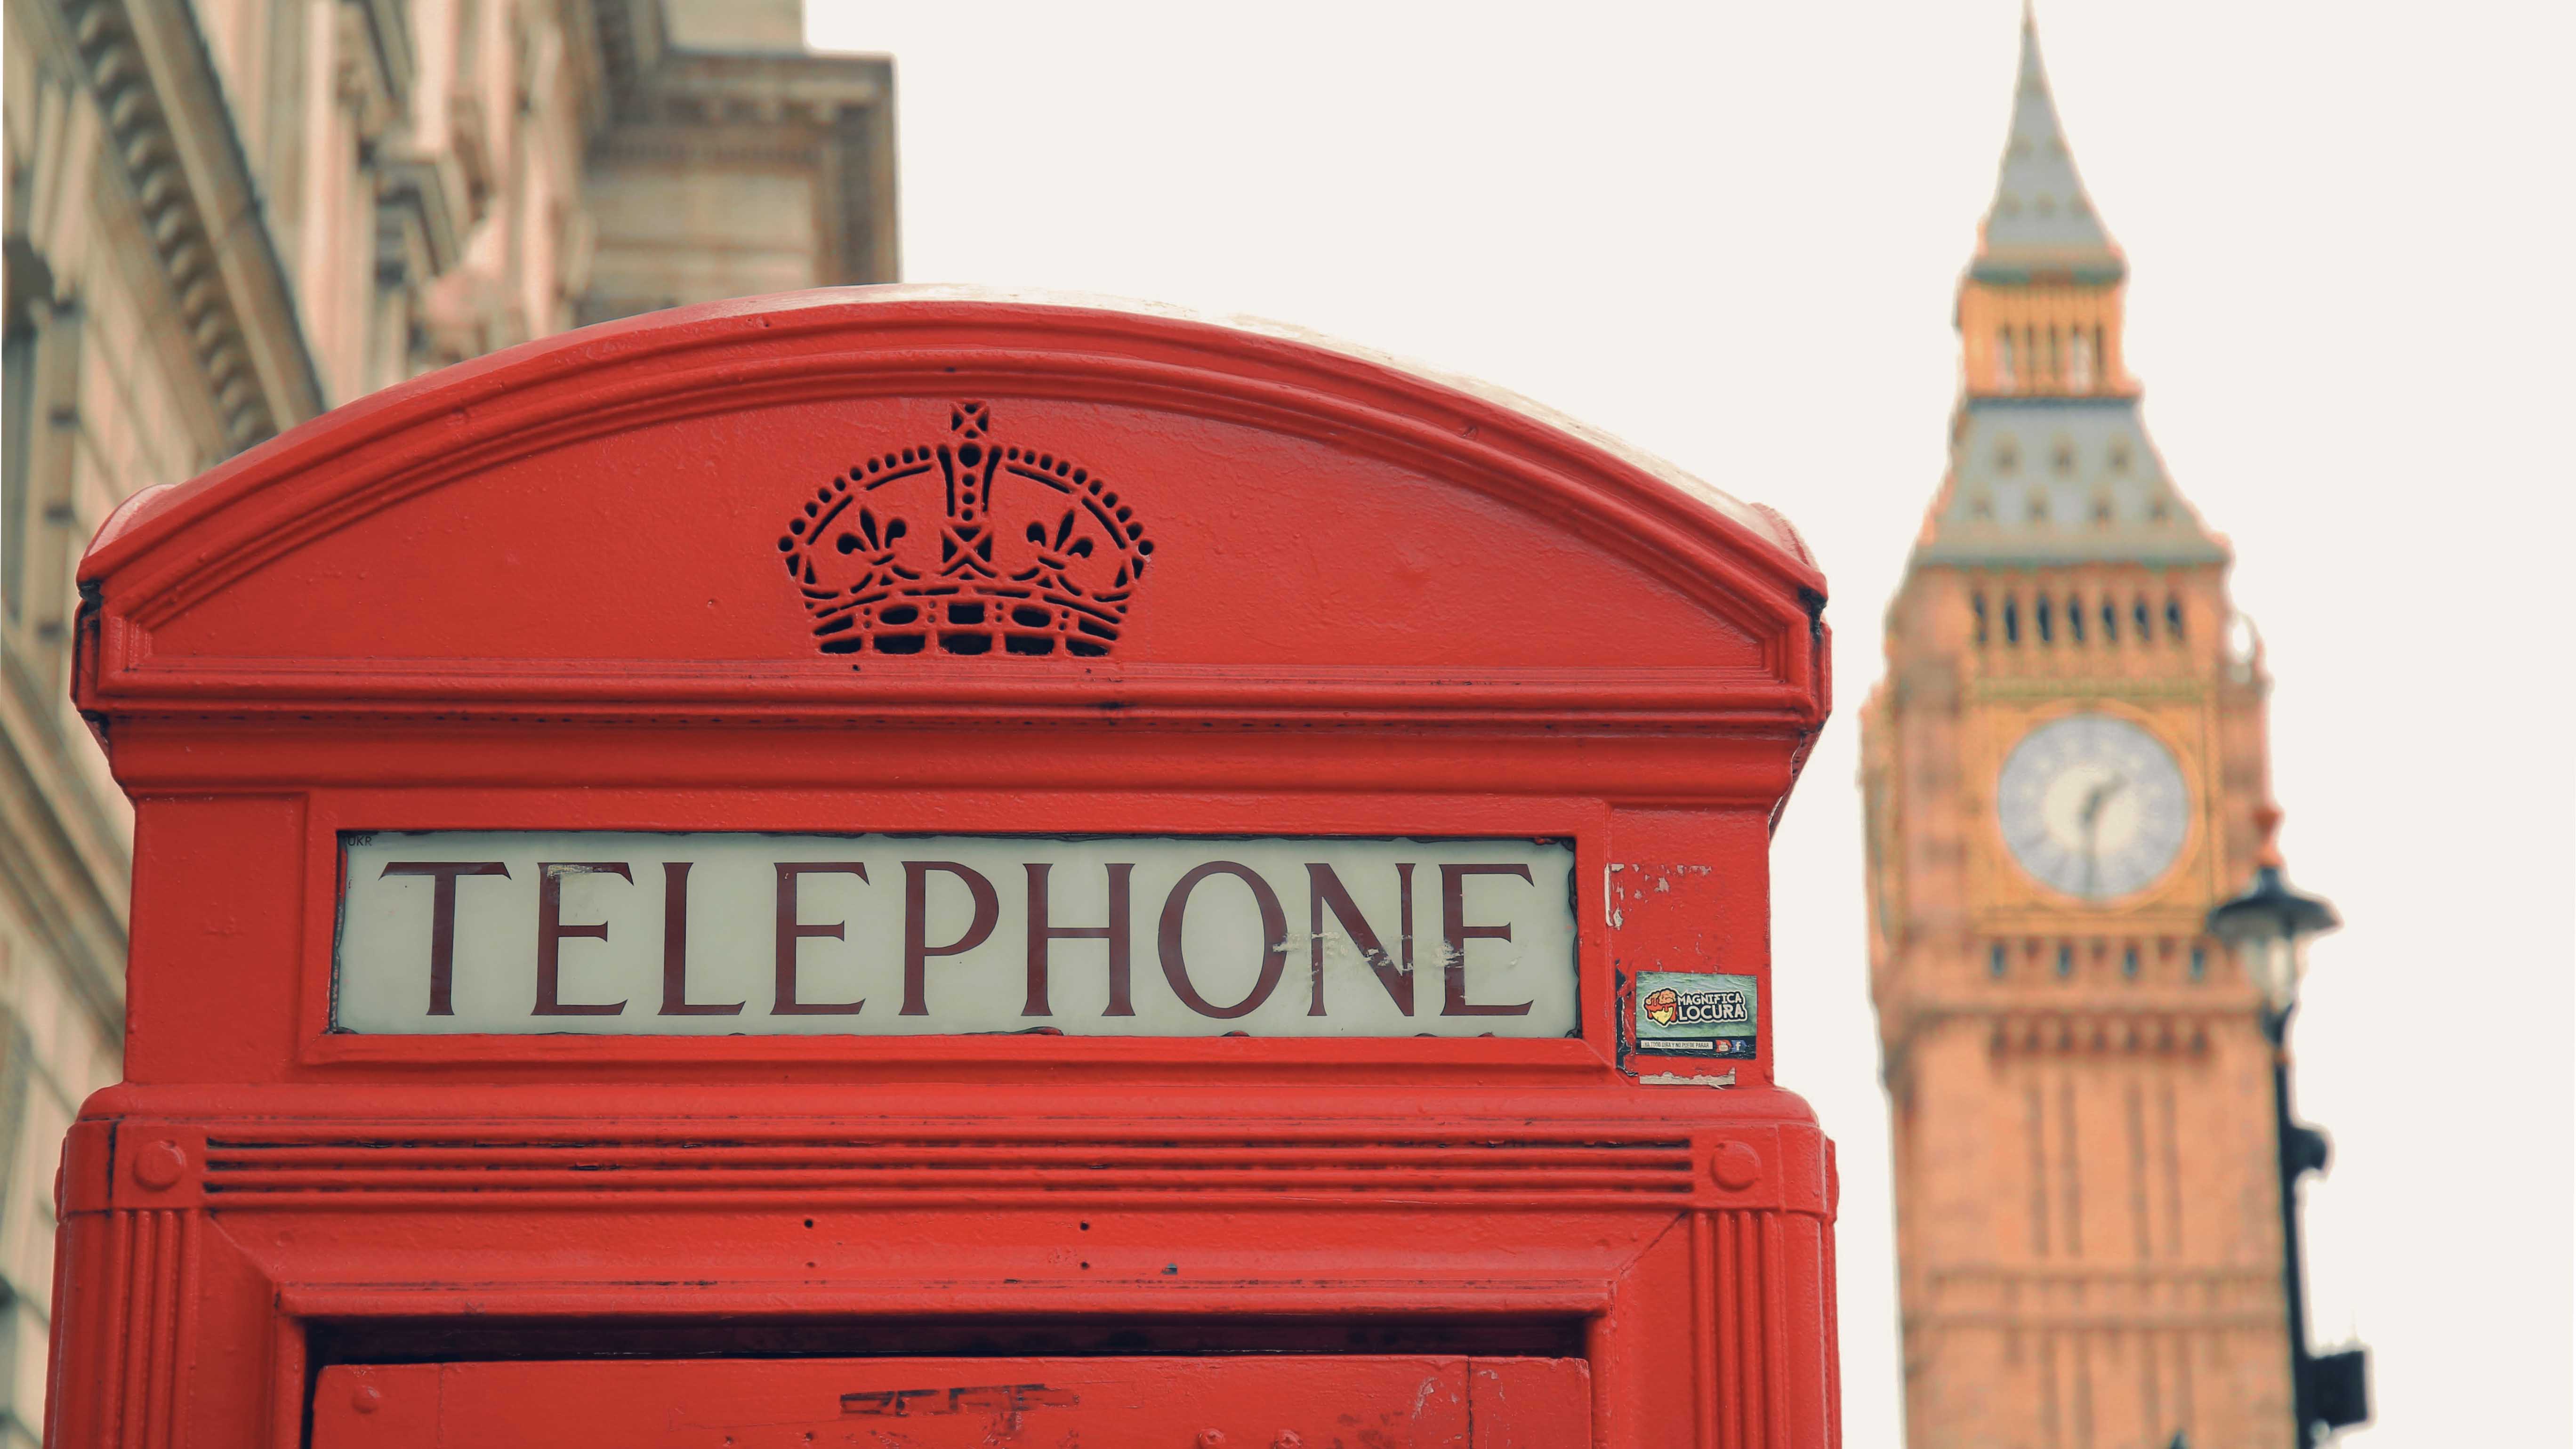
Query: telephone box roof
{"points": [[559, 471]]}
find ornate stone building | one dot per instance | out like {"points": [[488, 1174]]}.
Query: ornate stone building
{"points": [[2062, 773], [224, 216]]}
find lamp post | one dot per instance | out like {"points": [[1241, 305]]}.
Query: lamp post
{"points": [[2268, 928]]}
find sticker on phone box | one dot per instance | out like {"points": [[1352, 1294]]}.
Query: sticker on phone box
{"points": [[1690, 1013]]}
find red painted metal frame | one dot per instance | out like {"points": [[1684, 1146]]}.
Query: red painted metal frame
{"points": [[531, 591]]}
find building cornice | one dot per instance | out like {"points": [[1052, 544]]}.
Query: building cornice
{"points": [[670, 104], [174, 140]]}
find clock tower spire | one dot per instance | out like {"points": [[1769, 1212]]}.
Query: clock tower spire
{"points": [[2062, 769]]}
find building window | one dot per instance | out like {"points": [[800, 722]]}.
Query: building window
{"points": [[2110, 621], [2079, 371], [2007, 457], [1978, 603], [2004, 358], [2065, 960], [2074, 619], [1997, 959], [2129, 962], [2012, 621], [2173, 618], [2199, 963], [2041, 615], [2140, 617]]}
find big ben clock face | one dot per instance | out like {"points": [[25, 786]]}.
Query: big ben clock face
{"points": [[2093, 806]]}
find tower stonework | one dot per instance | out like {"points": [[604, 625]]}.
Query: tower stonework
{"points": [[2062, 771]]}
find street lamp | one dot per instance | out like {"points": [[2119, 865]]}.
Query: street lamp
{"points": [[2267, 929]]}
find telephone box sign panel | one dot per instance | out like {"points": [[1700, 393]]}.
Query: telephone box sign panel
{"points": [[732, 933]]}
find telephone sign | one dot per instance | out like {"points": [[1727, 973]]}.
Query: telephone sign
{"points": [[716, 933]]}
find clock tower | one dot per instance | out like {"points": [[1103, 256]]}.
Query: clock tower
{"points": [[2063, 771]]}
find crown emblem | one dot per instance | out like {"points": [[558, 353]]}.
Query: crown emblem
{"points": [[966, 547]]}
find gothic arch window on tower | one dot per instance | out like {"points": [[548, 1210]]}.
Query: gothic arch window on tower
{"points": [[2129, 961], [2074, 618], [2173, 618], [2040, 616], [1977, 603], [2065, 959], [2012, 619], [1998, 960], [2110, 621], [2007, 455], [2146, 630]]}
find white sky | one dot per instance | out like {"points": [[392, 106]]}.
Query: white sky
{"points": [[1730, 233]]}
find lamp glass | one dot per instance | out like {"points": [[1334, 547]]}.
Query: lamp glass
{"points": [[2270, 959]]}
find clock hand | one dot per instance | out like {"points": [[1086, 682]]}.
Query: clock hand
{"points": [[2091, 817], [2097, 797]]}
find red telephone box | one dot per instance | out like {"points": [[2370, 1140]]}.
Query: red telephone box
{"points": [[882, 868]]}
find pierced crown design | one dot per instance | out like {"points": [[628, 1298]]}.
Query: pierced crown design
{"points": [[966, 547]]}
